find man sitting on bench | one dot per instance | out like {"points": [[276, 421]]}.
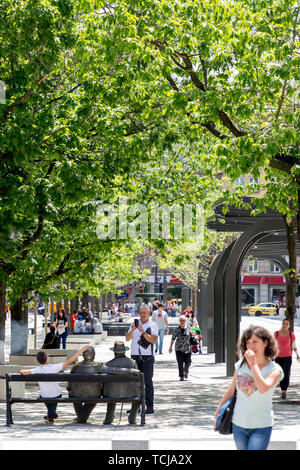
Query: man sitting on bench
{"points": [[51, 389]]}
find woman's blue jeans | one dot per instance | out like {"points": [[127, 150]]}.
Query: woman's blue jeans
{"points": [[63, 339], [251, 439]]}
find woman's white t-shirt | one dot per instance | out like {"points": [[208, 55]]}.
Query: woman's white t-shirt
{"points": [[253, 409]]}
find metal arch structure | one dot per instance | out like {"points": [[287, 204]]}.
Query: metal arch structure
{"points": [[215, 300], [211, 304], [216, 311], [257, 232], [264, 237]]}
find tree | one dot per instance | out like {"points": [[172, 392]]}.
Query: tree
{"points": [[70, 138], [226, 74], [190, 259]]}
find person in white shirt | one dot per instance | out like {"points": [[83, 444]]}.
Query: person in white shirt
{"points": [[51, 389], [97, 325], [78, 324], [143, 333], [160, 316]]}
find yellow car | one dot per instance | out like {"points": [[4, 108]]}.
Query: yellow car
{"points": [[265, 308]]}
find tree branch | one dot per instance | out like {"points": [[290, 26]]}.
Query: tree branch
{"points": [[212, 128], [224, 118], [189, 67], [283, 162], [24, 97]]}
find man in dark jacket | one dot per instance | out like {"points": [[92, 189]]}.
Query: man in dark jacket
{"points": [[121, 390]]}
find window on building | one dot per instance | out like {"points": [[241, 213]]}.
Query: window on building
{"points": [[274, 268], [252, 180], [240, 181]]}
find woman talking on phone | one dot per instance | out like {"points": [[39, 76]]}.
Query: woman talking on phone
{"points": [[255, 378]]}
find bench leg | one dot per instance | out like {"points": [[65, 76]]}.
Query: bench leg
{"points": [[9, 419], [143, 397]]}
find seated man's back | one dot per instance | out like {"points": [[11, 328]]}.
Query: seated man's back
{"points": [[119, 389]]}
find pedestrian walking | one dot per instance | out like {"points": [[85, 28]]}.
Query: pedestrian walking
{"points": [[192, 321], [187, 310], [61, 324], [255, 378], [286, 343], [143, 336], [183, 349], [160, 317], [51, 389]]}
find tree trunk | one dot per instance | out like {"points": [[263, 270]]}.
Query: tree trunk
{"points": [[165, 287], [85, 300], [19, 327], [95, 304], [292, 275], [75, 301], [2, 320]]}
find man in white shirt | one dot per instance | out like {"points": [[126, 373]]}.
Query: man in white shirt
{"points": [[144, 336], [51, 389], [160, 316]]}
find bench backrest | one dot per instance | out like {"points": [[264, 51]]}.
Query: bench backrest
{"points": [[74, 377]]}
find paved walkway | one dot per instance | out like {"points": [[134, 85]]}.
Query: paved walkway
{"points": [[183, 416]]}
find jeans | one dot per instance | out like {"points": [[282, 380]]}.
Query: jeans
{"points": [[286, 364], [63, 339], [160, 340], [146, 366], [251, 439], [51, 407]]}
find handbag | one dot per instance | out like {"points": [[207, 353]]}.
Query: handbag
{"points": [[224, 417], [193, 340]]}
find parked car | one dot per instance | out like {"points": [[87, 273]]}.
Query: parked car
{"points": [[265, 308]]}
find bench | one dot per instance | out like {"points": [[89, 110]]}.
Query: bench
{"points": [[67, 377]]}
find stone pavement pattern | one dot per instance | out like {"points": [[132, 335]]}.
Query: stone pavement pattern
{"points": [[183, 416]]}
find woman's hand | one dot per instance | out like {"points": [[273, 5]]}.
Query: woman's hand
{"points": [[250, 357], [215, 422]]}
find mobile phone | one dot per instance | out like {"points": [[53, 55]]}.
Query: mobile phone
{"points": [[136, 322]]}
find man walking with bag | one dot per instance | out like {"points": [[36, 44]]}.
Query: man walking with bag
{"points": [[143, 333], [160, 316]]}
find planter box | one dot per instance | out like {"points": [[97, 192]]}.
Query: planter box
{"points": [[55, 352], [30, 359]]}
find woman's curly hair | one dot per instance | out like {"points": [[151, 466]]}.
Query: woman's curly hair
{"points": [[262, 333]]}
